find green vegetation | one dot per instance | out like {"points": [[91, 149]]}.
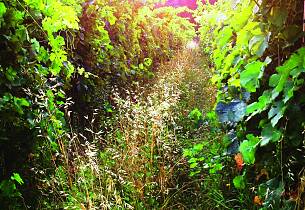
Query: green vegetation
{"points": [[59, 61], [258, 56], [114, 105]]}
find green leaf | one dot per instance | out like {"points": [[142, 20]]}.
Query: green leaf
{"points": [[296, 72], [193, 160], [270, 133], [249, 78], [11, 74], [69, 70], [195, 114], [54, 146], [6, 98], [147, 62], [284, 71], [248, 148], [43, 55], [8, 189], [276, 112], [23, 102], [240, 19], [2, 9], [17, 178], [35, 45], [262, 103], [272, 191], [193, 165], [239, 182], [224, 37], [197, 148], [274, 80], [293, 62], [141, 66], [21, 34], [288, 91], [244, 35], [35, 4], [80, 71], [187, 153], [20, 103], [258, 44], [17, 16]]}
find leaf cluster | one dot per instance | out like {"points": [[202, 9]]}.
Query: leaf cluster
{"points": [[256, 52]]}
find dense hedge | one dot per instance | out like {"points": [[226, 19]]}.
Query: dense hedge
{"points": [[58, 57], [259, 65]]}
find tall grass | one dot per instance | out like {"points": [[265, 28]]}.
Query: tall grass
{"points": [[134, 161]]}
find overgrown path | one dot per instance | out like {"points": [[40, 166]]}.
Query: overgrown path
{"points": [[152, 128], [188, 74], [136, 160]]}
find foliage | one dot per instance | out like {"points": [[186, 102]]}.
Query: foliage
{"points": [[123, 41], [33, 80], [8, 187], [196, 116], [51, 53], [141, 166], [256, 52]]}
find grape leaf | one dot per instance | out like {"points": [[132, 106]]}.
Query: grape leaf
{"points": [[231, 112], [250, 76], [224, 37], [274, 80], [262, 103], [258, 44], [288, 91], [20, 103], [269, 133], [248, 148], [276, 112]]}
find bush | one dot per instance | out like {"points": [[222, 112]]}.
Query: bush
{"points": [[258, 61], [58, 60]]}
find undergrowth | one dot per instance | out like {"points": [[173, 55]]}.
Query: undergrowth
{"points": [[136, 161]]}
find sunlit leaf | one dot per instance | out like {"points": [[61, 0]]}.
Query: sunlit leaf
{"points": [[258, 44], [274, 80], [224, 36], [17, 178], [2, 9], [249, 78]]}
